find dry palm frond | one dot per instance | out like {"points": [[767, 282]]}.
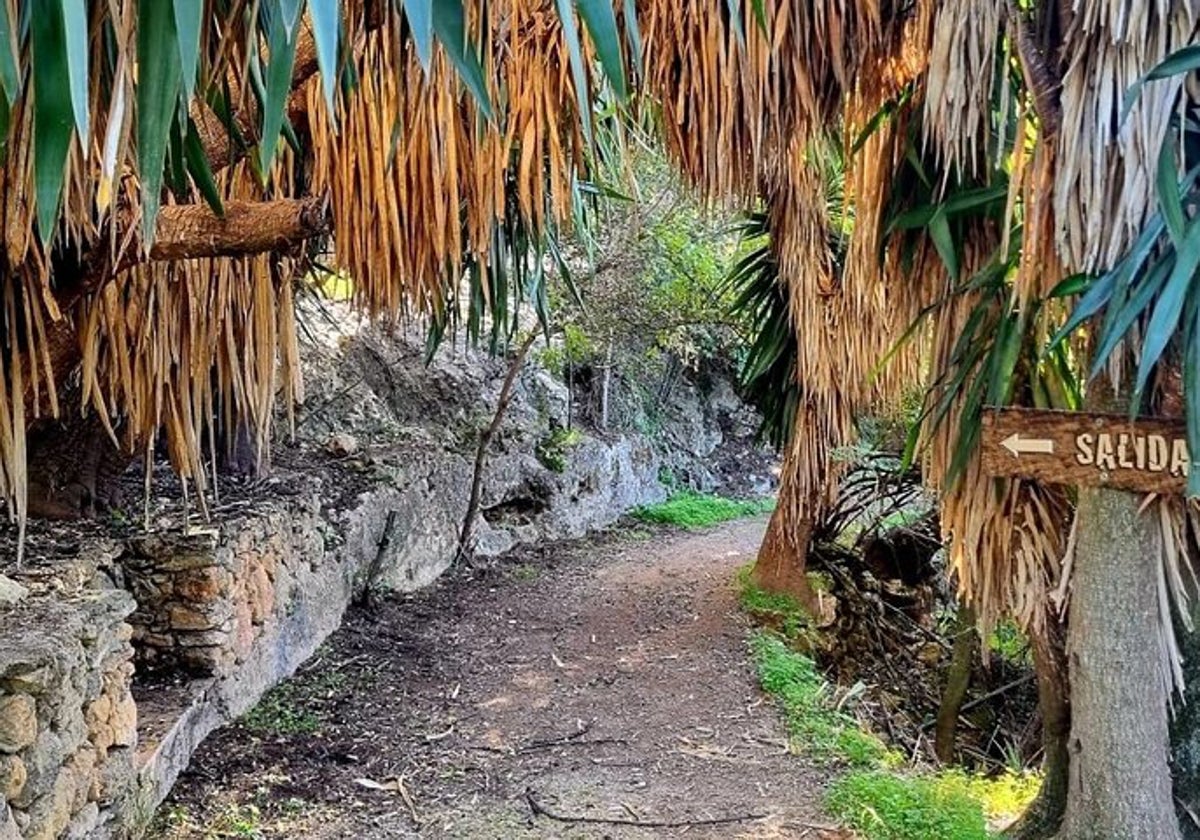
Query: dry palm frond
{"points": [[960, 84], [419, 179], [1006, 539], [733, 104], [1104, 173]]}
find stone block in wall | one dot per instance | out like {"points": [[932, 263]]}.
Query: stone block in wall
{"points": [[18, 722], [12, 777]]}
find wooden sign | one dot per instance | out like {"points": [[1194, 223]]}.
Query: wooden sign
{"points": [[1090, 450]]}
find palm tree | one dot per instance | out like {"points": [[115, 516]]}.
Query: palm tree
{"points": [[1033, 92], [173, 170]]}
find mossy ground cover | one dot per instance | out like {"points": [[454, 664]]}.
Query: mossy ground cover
{"points": [[876, 795], [699, 510]]}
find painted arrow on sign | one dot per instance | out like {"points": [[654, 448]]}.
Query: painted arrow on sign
{"points": [[1019, 446]]}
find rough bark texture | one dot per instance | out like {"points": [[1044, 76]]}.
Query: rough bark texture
{"points": [[1044, 815], [1119, 786], [191, 231], [783, 558]]}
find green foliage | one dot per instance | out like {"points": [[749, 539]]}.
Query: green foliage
{"points": [[655, 303], [552, 450], [699, 510], [778, 609], [1010, 644], [875, 798], [768, 373], [951, 805], [575, 348], [886, 806]]}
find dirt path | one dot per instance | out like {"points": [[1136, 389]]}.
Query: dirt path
{"points": [[606, 679]]}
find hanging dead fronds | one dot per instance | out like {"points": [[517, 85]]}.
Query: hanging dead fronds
{"points": [[1106, 158], [960, 85]]}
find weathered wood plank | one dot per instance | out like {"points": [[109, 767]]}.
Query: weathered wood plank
{"points": [[1087, 449]]}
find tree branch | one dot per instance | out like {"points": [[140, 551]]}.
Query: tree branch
{"points": [[191, 231]]}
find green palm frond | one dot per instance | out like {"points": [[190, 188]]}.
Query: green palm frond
{"points": [[768, 375]]}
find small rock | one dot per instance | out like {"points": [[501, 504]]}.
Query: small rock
{"points": [[342, 445], [83, 824], [8, 826], [12, 776], [186, 618], [18, 722], [11, 592]]}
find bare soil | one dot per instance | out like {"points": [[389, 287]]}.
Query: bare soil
{"points": [[606, 680]]}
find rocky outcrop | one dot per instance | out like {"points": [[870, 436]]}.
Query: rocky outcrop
{"points": [[121, 651]]}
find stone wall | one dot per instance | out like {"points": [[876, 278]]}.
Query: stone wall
{"points": [[68, 722], [204, 599], [121, 651], [215, 617]]}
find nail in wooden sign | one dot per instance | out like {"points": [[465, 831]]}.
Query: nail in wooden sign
{"points": [[1085, 449]]}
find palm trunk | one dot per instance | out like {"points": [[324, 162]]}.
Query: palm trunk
{"points": [[782, 561], [1120, 785]]}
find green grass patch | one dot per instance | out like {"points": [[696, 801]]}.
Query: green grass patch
{"points": [[804, 697], [876, 798], [281, 711], [699, 510], [882, 805], [779, 610]]}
